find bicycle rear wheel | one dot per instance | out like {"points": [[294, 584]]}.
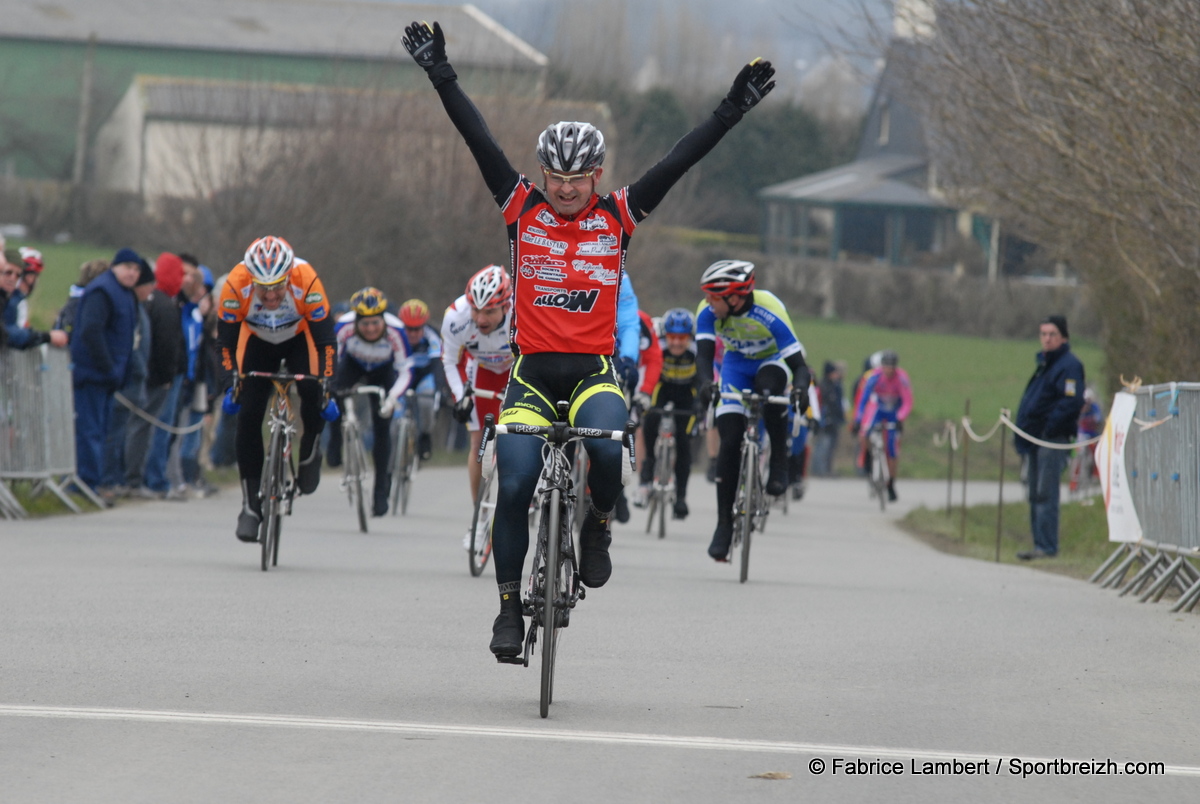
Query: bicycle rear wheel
{"points": [[750, 485], [579, 470], [481, 526], [272, 499], [552, 592]]}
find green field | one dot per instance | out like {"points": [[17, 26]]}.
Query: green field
{"points": [[62, 269]]}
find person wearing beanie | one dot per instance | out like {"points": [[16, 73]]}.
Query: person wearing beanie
{"points": [[105, 325], [134, 391], [147, 445], [1049, 413]]}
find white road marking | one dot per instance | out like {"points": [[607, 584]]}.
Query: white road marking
{"points": [[598, 737]]}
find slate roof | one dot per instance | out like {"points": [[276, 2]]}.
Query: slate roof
{"points": [[891, 180], [346, 28]]}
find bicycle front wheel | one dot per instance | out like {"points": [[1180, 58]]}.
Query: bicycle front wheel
{"points": [[481, 526], [751, 491], [665, 469], [553, 596], [272, 499], [879, 475], [356, 461], [399, 464]]}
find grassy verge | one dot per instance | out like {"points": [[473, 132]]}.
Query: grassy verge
{"points": [[1082, 538]]}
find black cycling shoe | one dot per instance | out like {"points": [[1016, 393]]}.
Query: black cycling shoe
{"points": [[424, 446], [681, 509], [718, 548], [777, 478], [622, 510], [309, 473], [247, 525], [891, 494], [508, 631], [251, 515], [595, 566]]}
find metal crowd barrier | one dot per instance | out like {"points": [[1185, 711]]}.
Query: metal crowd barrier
{"points": [[1163, 481], [37, 425]]}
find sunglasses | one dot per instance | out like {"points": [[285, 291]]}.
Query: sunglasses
{"points": [[574, 179]]}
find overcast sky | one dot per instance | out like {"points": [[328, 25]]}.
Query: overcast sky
{"points": [[795, 32]]}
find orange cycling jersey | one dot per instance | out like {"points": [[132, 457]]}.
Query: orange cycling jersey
{"points": [[566, 272], [304, 304]]}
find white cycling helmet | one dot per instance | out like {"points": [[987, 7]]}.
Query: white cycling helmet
{"points": [[490, 287], [269, 260], [571, 147], [726, 277]]}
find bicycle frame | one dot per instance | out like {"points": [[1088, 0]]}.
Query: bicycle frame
{"points": [[277, 492], [553, 587], [750, 507], [878, 477], [354, 457], [662, 487]]}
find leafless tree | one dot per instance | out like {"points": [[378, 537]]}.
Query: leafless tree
{"points": [[1076, 122]]}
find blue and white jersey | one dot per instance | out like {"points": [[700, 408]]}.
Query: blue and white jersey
{"points": [[763, 332], [391, 347]]}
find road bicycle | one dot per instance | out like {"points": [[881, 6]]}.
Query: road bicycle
{"points": [[279, 487], [750, 506], [660, 497], [354, 454], [480, 549], [878, 475], [405, 460], [553, 588]]}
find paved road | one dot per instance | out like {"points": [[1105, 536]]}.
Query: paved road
{"points": [[145, 658]]}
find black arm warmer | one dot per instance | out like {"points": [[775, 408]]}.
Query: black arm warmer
{"points": [[648, 192], [801, 376], [499, 175]]}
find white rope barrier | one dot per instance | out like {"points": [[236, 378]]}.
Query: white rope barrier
{"points": [[155, 420], [949, 431]]}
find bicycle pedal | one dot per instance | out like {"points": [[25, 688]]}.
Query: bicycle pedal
{"points": [[518, 659]]}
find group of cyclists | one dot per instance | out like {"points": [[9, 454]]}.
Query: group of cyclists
{"points": [[553, 325]]}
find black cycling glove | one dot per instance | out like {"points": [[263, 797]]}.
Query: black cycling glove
{"points": [[427, 46], [463, 408]]}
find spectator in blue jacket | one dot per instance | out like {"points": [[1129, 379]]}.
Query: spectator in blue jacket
{"points": [[104, 326], [17, 277], [1049, 412]]}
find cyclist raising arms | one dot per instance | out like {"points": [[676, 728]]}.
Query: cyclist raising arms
{"points": [[568, 248], [886, 396], [425, 353], [762, 353], [273, 307], [476, 354], [372, 351]]}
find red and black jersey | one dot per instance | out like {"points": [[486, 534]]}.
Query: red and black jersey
{"points": [[567, 273]]}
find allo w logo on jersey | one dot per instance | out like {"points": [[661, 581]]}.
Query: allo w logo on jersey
{"points": [[575, 301]]}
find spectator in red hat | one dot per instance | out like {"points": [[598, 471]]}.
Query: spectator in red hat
{"points": [[146, 467]]}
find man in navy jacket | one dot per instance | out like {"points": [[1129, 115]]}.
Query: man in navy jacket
{"points": [[1049, 412], [100, 352]]}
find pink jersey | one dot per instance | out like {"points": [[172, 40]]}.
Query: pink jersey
{"points": [[889, 396]]}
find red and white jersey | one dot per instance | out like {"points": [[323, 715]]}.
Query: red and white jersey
{"points": [[465, 350], [566, 272]]}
